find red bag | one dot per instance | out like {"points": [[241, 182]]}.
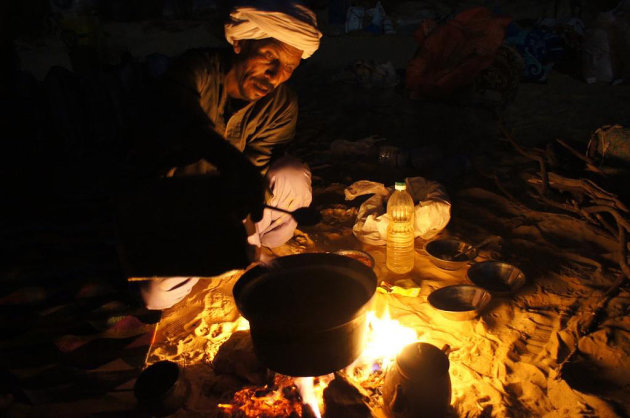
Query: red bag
{"points": [[452, 55]]}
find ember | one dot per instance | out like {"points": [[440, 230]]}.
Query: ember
{"points": [[282, 399]]}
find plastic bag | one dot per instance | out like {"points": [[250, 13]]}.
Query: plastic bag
{"points": [[606, 56], [354, 18], [597, 60], [432, 212]]}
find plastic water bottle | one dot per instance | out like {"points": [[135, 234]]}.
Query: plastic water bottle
{"points": [[400, 231]]}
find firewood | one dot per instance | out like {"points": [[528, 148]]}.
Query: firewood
{"points": [[344, 400], [590, 164]]}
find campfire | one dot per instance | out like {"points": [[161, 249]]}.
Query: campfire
{"points": [[218, 338], [307, 396]]}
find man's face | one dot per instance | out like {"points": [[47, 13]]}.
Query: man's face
{"points": [[262, 65]]}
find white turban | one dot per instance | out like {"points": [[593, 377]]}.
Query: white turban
{"points": [[294, 24]]}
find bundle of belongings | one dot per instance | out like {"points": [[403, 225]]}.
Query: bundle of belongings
{"points": [[432, 209], [549, 43], [453, 55]]}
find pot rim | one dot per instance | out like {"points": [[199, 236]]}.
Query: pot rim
{"points": [[302, 262]]}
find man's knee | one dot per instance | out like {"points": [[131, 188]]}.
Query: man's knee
{"points": [[290, 181], [162, 293]]}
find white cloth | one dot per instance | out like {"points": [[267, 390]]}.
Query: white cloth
{"points": [[290, 183], [165, 292], [432, 209], [287, 21]]}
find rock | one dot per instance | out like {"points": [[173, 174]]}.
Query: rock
{"points": [[236, 357]]}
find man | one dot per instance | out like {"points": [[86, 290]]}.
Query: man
{"points": [[232, 113]]}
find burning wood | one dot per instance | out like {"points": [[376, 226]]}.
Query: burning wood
{"points": [[282, 399], [342, 399]]}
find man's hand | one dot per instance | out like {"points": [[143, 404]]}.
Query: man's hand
{"points": [[244, 183], [247, 187]]}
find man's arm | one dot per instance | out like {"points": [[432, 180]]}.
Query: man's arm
{"points": [[190, 132], [183, 133], [277, 130]]}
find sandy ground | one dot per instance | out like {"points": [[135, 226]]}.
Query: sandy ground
{"points": [[508, 362]]}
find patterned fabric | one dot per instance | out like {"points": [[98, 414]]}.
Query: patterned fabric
{"points": [[74, 338], [543, 46]]}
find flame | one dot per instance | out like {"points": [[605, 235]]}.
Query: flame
{"points": [[386, 338], [242, 324], [308, 394]]}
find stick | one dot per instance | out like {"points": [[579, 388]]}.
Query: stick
{"points": [[148, 279], [589, 163], [532, 156], [621, 221], [503, 190]]}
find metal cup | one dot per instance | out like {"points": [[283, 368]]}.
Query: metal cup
{"points": [[392, 156], [161, 388]]}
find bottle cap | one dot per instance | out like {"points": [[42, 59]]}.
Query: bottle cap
{"points": [[400, 185]]}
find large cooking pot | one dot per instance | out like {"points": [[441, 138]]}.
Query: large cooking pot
{"points": [[307, 312]]}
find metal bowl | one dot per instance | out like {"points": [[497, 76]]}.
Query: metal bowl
{"points": [[497, 277], [450, 254], [459, 302], [358, 255]]}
